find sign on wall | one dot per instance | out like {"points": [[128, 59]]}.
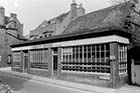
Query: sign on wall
{"points": [[104, 77]]}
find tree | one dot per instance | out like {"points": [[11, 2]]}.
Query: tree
{"points": [[118, 1]]}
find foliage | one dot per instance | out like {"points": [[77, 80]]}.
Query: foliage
{"points": [[6, 89], [118, 1]]}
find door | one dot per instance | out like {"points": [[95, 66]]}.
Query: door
{"points": [[25, 61], [55, 62], [136, 72], [135, 64], [55, 65]]}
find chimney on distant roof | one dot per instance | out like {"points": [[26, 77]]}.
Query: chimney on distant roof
{"points": [[73, 9], [81, 10], [13, 15]]}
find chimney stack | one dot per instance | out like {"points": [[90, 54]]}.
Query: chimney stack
{"points": [[81, 10], [73, 10]]}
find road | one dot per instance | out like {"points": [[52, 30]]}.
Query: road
{"points": [[31, 86]]}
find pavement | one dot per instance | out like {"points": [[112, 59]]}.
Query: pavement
{"points": [[85, 87]]}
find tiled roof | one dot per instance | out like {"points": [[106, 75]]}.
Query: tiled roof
{"points": [[111, 16]]}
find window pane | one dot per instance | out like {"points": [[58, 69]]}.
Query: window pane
{"points": [[38, 59], [122, 58], [87, 58]]}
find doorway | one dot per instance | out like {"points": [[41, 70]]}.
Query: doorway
{"points": [[55, 61], [25, 61], [135, 64]]}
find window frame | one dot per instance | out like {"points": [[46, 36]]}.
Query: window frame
{"points": [[122, 58], [86, 65]]}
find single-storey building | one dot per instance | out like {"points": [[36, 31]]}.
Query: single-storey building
{"points": [[98, 58], [93, 49]]}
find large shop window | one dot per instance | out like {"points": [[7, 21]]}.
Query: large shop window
{"points": [[16, 59], [38, 59], [86, 58], [122, 58]]}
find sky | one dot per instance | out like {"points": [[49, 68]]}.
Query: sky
{"points": [[32, 12]]}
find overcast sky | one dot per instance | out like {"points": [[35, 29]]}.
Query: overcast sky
{"points": [[32, 12]]}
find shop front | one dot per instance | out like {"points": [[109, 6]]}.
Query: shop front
{"points": [[92, 58]]}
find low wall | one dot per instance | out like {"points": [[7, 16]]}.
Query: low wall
{"points": [[39, 72], [17, 69], [123, 79], [92, 79]]}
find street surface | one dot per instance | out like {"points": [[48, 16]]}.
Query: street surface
{"points": [[30, 86]]}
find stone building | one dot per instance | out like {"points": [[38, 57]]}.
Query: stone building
{"points": [[58, 24], [11, 31], [100, 48]]}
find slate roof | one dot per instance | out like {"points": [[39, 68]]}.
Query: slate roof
{"points": [[111, 16]]}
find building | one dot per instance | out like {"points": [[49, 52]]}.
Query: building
{"points": [[97, 48], [11, 31], [58, 24]]}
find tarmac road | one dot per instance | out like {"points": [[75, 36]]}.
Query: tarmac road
{"points": [[31, 86]]}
